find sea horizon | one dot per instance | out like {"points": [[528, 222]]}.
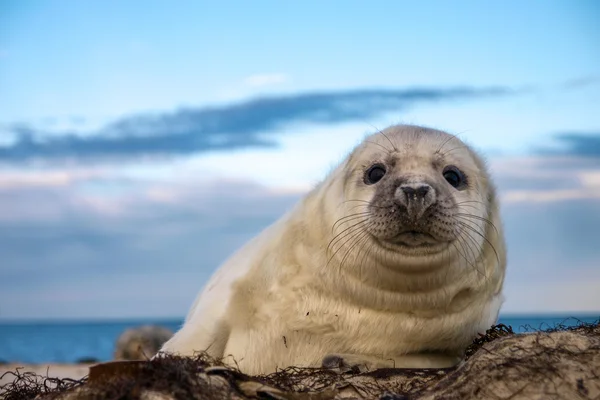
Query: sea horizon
{"points": [[101, 320]]}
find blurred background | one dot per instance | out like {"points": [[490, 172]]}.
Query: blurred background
{"points": [[142, 142]]}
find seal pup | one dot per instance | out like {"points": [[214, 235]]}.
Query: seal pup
{"points": [[396, 259]]}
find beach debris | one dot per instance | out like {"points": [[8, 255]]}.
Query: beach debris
{"points": [[87, 360]]}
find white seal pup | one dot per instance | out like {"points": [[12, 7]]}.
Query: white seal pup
{"points": [[396, 259]]}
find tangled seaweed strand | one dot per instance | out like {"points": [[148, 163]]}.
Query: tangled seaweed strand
{"points": [[28, 385], [175, 375], [577, 325], [178, 376], [495, 332], [294, 379], [580, 326]]}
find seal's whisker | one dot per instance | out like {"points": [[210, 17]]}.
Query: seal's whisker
{"points": [[360, 263], [344, 233], [474, 263], [385, 136], [377, 144], [355, 239], [452, 136], [355, 207], [473, 206], [455, 148], [467, 225], [447, 254], [463, 215], [364, 205], [388, 139], [367, 252], [465, 204], [348, 237], [471, 223], [472, 244], [360, 238], [484, 238], [463, 255], [348, 218], [368, 203], [470, 201]]}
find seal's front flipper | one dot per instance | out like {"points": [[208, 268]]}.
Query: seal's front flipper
{"points": [[343, 363], [208, 337]]}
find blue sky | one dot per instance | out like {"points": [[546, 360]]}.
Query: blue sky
{"points": [[124, 125]]}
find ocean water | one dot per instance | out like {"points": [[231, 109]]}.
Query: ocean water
{"points": [[67, 342]]}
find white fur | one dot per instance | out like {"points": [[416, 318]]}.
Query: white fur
{"points": [[282, 300]]}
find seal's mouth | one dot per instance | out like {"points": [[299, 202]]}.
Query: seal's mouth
{"points": [[414, 238]]}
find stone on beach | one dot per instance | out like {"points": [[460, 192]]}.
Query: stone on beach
{"points": [[141, 343]]}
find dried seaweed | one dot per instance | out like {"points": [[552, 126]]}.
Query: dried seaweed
{"points": [[495, 332], [28, 385]]}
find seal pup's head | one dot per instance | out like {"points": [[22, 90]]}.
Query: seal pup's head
{"points": [[415, 197]]}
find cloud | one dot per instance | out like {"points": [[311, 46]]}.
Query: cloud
{"points": [[124, 140], [581, 82], [55, 178], [545, 196], [265, 80], [543, 179], [551, 241], [78, 262], [579, 144], [569, 297], [247, 124]]}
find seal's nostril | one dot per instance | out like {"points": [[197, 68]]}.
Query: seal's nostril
{"points": [[422, 191], [408, 190]]}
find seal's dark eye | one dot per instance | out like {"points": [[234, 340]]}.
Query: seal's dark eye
{"points": [[454, 177], [374, 174]]}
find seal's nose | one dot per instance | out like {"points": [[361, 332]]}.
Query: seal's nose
{"points": [[416, 197]]}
